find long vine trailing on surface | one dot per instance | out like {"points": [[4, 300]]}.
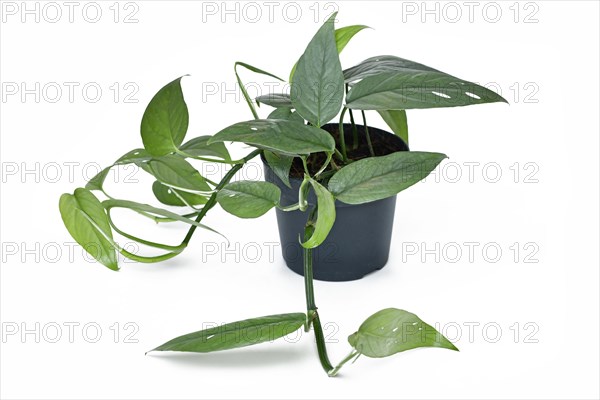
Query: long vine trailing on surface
{"points": [[320, 91]]}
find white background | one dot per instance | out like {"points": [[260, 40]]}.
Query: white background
{"points": [[551, 123]]}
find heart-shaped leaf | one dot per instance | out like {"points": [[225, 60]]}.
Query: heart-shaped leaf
{"points": [[287, 137], [391, 331], [416, 89], [325, 216], [318, 88], [165, 120], [87, 222], [248, 199], [237, 334], [377, 178]]}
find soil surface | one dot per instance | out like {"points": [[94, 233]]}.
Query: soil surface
{"points": [[384, 143]]}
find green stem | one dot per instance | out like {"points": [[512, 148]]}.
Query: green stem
{"points": [[174, 249], [243, 88], [342, 136], [324, 166], [311, 307], [159, 220], [367, 134], [354, 131], [212, 201], [349, 357], [293, 207]]}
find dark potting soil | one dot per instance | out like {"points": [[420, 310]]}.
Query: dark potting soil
{"points": [[384, 143]]}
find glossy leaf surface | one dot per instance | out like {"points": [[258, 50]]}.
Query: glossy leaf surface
{"points": [[377, 178]]}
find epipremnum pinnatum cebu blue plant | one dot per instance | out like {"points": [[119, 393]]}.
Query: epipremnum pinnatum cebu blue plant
{"points": [[320, 91]]}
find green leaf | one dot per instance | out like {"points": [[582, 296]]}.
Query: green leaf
{"points": [[412, 89], [325, 218], [86, 220], [287, 137], [237, 334], [396, 120], [281, 165], [136, 156], [376, 178], [287, 114], [165, 120], [248, 199], [345, 34], [174, 171], [97, 182], [199, 147], [391, 331], [318, 89], [172, 197], [342, 37], [380, 64], [276, 100]]}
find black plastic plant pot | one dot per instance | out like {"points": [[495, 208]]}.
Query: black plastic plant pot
{"points": [[359, 242]]}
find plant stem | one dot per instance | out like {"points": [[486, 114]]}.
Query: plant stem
{"points": [[212, 201], [349, 357], [311, 307], [367, 134], [342, 136], [354, 131]]}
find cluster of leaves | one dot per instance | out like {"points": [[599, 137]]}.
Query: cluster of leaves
{"points": [[320, 91]]}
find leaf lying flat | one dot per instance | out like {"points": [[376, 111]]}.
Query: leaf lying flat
{"points": [[237, 334], [391, 331]]}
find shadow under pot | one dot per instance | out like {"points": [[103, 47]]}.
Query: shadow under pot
{"points": [[359, 242]]}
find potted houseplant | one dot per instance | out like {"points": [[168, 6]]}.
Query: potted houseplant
{"points": [[315, 171]]}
